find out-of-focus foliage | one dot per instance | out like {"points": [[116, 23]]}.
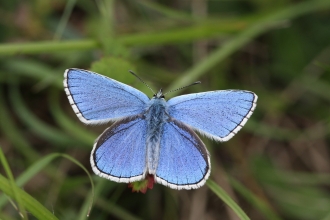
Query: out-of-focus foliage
{"points": [[276, 167]]}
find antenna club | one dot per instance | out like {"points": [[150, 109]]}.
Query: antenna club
{"points": [[197, 82]]}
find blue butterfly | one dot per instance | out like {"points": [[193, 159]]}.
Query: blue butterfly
{"points": [[152, 136]]}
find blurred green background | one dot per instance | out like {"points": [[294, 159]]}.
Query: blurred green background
{"points": [[276, 167]]}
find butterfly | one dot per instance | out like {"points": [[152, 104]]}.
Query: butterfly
{"points": [[154, 136]]}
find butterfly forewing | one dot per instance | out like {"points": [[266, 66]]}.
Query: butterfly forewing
{"points": [[99, 99], [119, 154], [218, 114], [184, 161]]}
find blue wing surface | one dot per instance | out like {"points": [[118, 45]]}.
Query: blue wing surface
{"points": [[184, 161], [119, 153], [98, 99], [217, 114]]}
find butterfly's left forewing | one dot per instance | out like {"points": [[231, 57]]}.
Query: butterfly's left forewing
{"points": [[217, 114], [184, 161], [98, 99], [119, 154]]}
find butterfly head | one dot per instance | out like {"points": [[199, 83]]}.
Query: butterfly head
{"points": [[159, 95]]}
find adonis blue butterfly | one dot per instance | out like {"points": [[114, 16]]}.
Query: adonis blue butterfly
{"points": [[154, 136]]}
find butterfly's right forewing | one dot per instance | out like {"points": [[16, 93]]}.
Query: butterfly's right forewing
{"points": [[217, 114], [98, 99]]}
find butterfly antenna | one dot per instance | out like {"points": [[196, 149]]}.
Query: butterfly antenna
{"points": [[134, 74], [195, 83]]}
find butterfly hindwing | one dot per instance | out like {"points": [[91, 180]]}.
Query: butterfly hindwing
{"points": [[99, 99], [184, 161], [119, 154], [218, 114]]}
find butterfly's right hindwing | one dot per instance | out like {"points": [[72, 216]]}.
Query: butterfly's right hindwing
{"points": [[119, 154], [184, 161], [98, 99]]}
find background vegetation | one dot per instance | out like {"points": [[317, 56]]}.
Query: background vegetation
{"points": [[276, 167]]}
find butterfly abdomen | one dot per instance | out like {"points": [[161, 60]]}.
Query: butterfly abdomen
{"points": [[156, 116]]}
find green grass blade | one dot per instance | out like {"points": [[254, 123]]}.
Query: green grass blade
{"points": [[91, 197], [276, 133], [107, 205], [15, 193], [170, 13], [41, 164], [67, 124], [32, 205], [98, 190], [86, 207], [254, 200], [209, 29], [226, 198], [10, 131], [36, 70], [40, 128], [47, 46], [30, 173], [64, 19]]}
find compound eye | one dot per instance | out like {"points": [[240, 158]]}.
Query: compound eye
{"points": [[163, 97]]}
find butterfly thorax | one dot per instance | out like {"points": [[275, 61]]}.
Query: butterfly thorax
{"points": [[156, 115]]}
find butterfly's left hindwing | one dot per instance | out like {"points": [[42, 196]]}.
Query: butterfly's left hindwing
{"points": [[184, 161], [119, 154]]}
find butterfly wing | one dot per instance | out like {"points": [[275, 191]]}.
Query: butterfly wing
{"points": [[119, 154], [218, 114], [98, 99], [184, 161]]}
